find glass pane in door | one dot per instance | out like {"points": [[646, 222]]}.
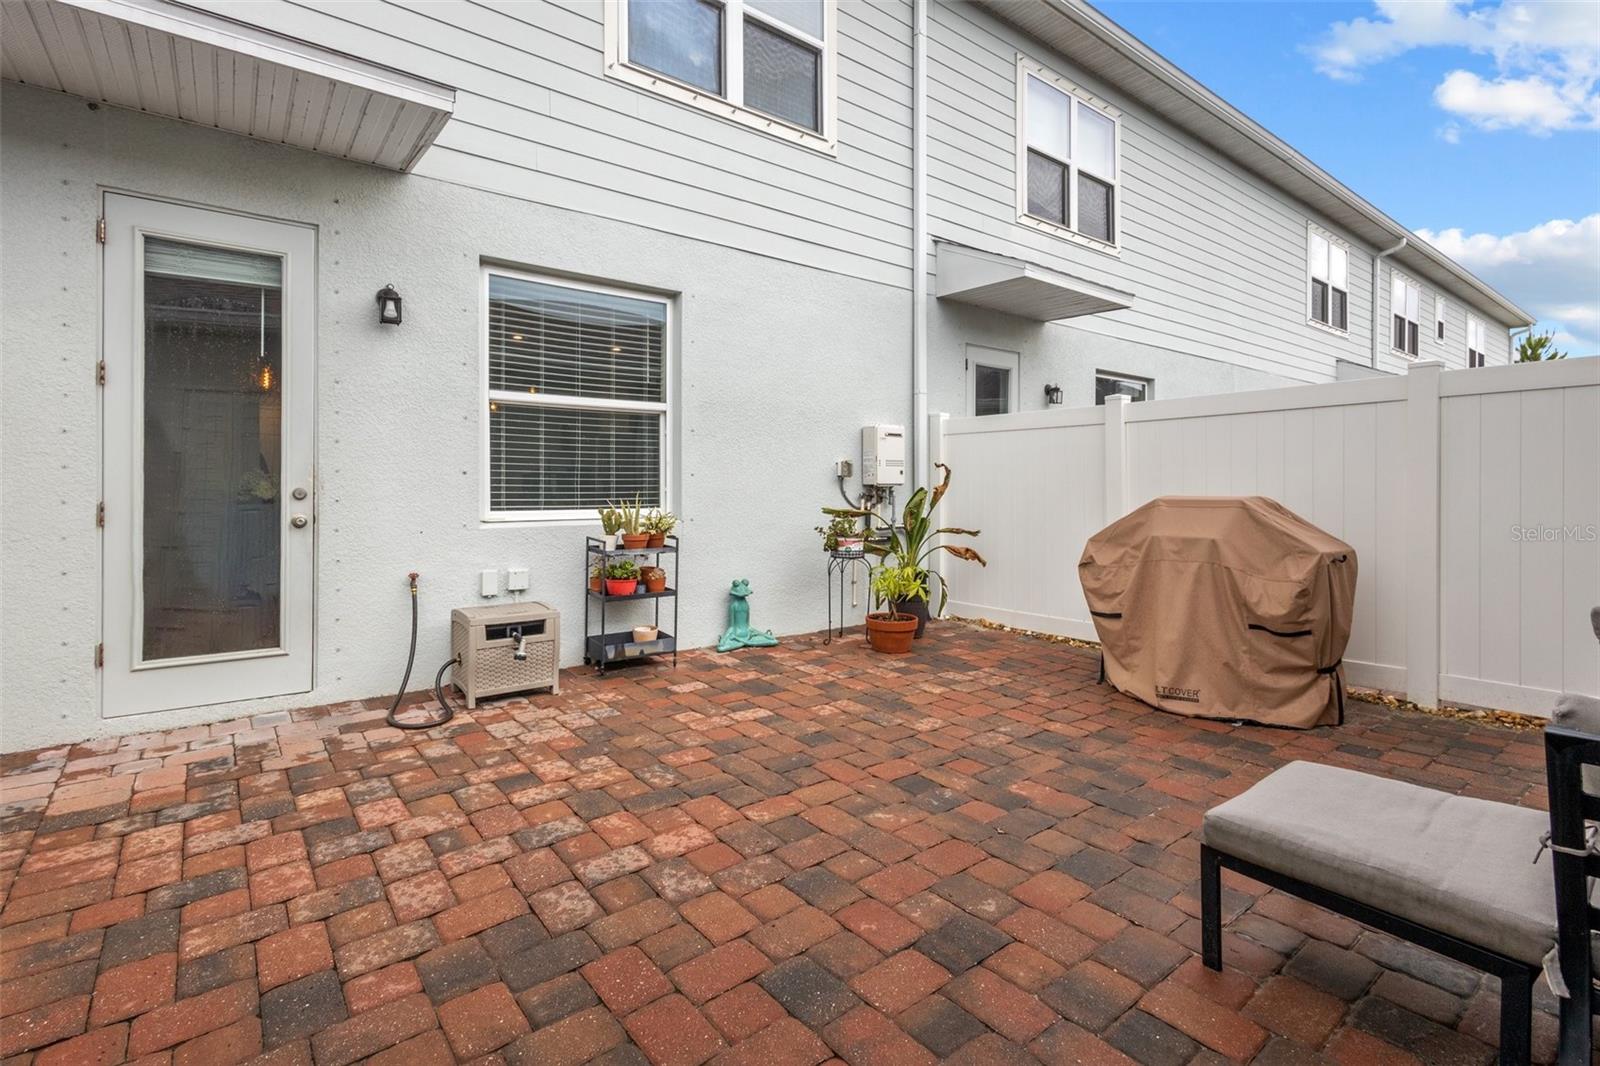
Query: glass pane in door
{"points": [[213, 450], [991, 390]]}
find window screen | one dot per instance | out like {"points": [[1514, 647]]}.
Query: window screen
{"points": [[577, 390], [1047, 189], [1070, 149], [679, 38], [781, 75]]}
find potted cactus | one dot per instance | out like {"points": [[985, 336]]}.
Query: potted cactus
{"points": [[658, 524], [622, 578], [634, 535], [611, 526]]}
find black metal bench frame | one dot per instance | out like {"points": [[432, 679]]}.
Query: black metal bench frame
{"points": [[1567, 752], [1516, 977]]}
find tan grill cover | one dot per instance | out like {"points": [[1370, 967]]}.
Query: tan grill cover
{"points": [[1223, 607]]}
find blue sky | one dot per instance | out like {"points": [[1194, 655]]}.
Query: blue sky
{"points": [[1476, 124]]}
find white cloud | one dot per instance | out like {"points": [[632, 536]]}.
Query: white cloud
{"points": [[1553, 270], [1546, 57]]}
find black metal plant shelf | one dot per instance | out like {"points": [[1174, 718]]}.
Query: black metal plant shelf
{"points": [[610, 648]]}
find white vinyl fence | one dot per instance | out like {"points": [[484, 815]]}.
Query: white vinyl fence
{"points": [[1471, 497]]}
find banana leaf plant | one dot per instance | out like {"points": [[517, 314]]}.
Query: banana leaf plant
{"points": [[911, 542]]}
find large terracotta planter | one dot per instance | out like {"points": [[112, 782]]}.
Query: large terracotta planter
{"points": [[621, 586], [657, 540], [890, 635], [635, 540]]}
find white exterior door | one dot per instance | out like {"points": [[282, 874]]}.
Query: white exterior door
{"points": [[210, 380]]}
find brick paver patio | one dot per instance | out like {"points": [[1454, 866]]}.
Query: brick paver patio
{"points": [[974, 853]]}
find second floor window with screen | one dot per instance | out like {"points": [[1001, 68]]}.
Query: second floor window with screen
{"points": [[1069, 158], [1476, 342], [1405, 302], [770, 57], [1330, 282]]}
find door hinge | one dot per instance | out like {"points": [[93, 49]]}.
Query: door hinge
{"points": [[100, 229], [99, 656], [100, 514], [100, 372]]}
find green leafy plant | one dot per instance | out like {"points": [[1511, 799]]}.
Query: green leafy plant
{"points": [[911, 542], [623, 570], [1538, 348], [610, 521], [838, 526], [662, 522], [894, 585]]}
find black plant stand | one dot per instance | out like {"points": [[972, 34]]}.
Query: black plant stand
{"points": [[840, 563], [606, 648]]}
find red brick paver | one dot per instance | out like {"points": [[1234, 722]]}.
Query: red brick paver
{"points": [[792, 855]]}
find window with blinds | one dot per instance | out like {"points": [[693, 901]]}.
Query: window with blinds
{"points": [[1404, 307], [577, 397]]}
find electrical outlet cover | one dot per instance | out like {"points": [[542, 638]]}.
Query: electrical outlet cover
{"points": [[489, 582], [517, 579]]}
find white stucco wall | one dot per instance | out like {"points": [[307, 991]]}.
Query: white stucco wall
{"points": [[779, 366]]}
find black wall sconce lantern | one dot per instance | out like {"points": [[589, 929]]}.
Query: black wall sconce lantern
{"points": [[388, 306], [1052, 395]]}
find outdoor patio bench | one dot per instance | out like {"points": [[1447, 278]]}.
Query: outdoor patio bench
{"points": [[1453, 874]]}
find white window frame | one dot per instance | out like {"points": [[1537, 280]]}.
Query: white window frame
{"points": [[731, 106], [1476, 325], [1404, 280], [1441, 318], [1081, 98], [524, 399], [1314, 230]]}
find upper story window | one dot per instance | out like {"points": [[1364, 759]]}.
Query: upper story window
{"points": [[767, 64], [1329, 263], [1477, 343], [576, 382], [1440, 309], [1068, 157], [1405, 302]]}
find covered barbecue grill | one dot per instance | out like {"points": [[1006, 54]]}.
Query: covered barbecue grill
{"points": [[1223, 607]]}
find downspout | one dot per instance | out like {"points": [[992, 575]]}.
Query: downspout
{"points": [[1386, 253], [919, 242]]}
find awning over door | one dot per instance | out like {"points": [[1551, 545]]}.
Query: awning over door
{"points": [[1017, 287], [171, 60]]}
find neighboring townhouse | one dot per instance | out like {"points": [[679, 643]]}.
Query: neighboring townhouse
{"points": [[679, 248]]}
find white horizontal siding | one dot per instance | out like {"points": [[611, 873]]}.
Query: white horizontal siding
{"points": [[1214, 255], [537, 119]]}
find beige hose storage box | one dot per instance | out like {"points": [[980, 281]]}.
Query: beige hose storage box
{"points": [[1223, 607], [484, 639]]}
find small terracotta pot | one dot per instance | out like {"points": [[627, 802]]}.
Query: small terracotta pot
{"points": [[635, 540], [621, 586], [657, 540], [890, 635], [655, 579], [594, 582]]}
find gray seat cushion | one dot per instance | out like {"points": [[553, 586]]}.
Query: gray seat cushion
{"points": [[1456, 865], [1582, 714]]}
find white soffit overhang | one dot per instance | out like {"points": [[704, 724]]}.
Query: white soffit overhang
{"points": [[1097, 44], [1017, 287], [171, 60]]}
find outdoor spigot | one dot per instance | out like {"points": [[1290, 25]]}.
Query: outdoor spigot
{"points": [[521, 651]]}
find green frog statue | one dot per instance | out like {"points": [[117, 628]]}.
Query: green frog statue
{"points": [[739, 634]]}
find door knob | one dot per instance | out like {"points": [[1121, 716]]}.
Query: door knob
{"points": [[299, 521]]}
